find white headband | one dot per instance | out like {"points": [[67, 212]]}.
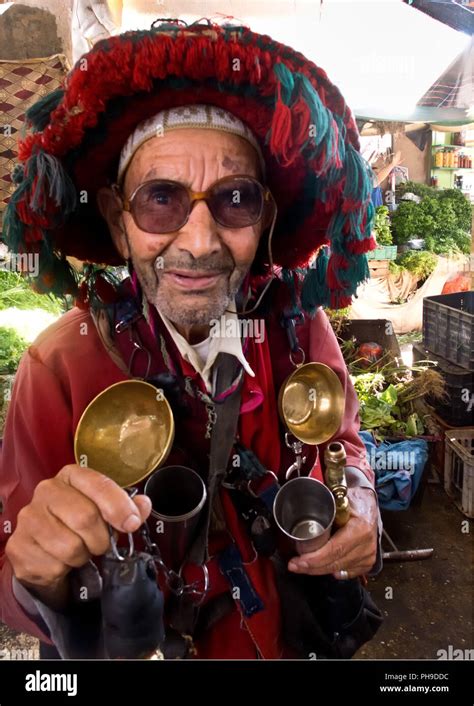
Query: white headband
{"points": [[208, 117]]}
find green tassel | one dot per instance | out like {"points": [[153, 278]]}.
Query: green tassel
{"points": [[320, 118], [358, 186], [13, 229], [287, 81], [357, 273], [39, 113], [53, 176], [315, 291], [56, 276], [288, 277], [335, 233]]}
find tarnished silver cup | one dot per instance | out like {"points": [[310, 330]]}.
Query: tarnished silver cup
{"points": [[304, 510], [177, 495]]}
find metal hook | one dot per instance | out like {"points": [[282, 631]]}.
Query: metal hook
{"points": [[115, 549]]}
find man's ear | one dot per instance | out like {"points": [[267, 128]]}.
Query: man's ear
{"points": [[110, 207]]}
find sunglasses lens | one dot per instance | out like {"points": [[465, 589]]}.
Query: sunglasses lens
{"points": [[160, 206], [237, 203], [163, 206]]}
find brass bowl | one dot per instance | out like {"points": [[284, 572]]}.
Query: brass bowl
{"points": [[125, 432], [311, 403]]}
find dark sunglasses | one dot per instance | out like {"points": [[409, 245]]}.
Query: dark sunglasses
{"points": [[163, 206]]}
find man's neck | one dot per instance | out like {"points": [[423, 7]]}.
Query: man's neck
{"points": [[193, 333]]}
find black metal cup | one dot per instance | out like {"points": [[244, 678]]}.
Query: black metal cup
{"points": [[177, 495]]}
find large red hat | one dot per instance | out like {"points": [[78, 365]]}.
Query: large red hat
{"points": [[308, 136]]}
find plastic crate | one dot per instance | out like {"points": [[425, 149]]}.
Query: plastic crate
{"points": [[458, 408], [386, 252], [448, 327], [377, 330], [459, 469]]}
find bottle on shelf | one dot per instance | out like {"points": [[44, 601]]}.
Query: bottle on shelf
{"points": [[456, 160], [438, 158]]}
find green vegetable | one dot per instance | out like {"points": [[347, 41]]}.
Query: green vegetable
{"points": [[15, 291], [389, 395], [382, 229], [442, 219], [12, 347], [385, 407], [420, 262]]}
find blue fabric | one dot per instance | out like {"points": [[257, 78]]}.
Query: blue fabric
{"points": [[376, 197], [230, 564], [398, 467]]}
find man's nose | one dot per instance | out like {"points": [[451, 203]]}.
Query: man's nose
{"points": [[200, 235]]}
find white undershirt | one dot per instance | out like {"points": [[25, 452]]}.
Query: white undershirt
{"points": [[202, 355]]}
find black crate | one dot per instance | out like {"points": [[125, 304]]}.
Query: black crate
{"points": [[373, 330], [448, 327], [458, 409]]}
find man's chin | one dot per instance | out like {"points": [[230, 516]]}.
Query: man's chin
{"points": [[192, 308]]}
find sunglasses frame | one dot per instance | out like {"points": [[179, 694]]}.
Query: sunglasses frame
{"points": [[194, 197]]}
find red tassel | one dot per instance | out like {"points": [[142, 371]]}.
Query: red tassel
{"points": [[336, 267], [25, 147], [340, 301], [281, 129], [357, 247], [32, 234]]}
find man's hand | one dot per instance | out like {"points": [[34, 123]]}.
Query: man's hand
{"points": [[353, 548], [66, 523]]}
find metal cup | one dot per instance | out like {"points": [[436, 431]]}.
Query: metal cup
{"points": [[177, 495], [304, 510]]}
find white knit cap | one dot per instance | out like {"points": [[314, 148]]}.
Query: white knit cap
{"points": [[208, 117]]}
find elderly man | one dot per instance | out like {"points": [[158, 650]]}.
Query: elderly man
{"points": [[189, 171]]}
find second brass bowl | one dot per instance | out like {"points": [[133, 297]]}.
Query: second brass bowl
{"points": [[311, 403], [125, 432]]}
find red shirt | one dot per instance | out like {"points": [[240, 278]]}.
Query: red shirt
{"points": [[67, 367]]}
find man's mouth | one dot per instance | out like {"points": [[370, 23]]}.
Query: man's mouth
{"points": [[193, 279]]}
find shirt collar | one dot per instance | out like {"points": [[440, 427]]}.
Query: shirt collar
{"points": [[225, 338]]}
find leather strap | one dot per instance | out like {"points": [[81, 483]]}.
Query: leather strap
{"points": [[184, 611]]}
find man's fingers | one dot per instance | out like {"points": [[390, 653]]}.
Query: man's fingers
{"points": [[32, 564], [345, 562], [55, 538], [115, 506], [77, 512], [143, 504], [332, 552], [350, 547]]}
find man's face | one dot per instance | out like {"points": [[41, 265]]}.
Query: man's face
{"points": [[191, 274]]}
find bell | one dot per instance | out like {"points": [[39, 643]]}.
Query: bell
{"points": [[125, 432], [311, 403]]}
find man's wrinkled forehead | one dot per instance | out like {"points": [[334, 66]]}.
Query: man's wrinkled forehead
{"points": [[206, 118], [191, 154]]}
